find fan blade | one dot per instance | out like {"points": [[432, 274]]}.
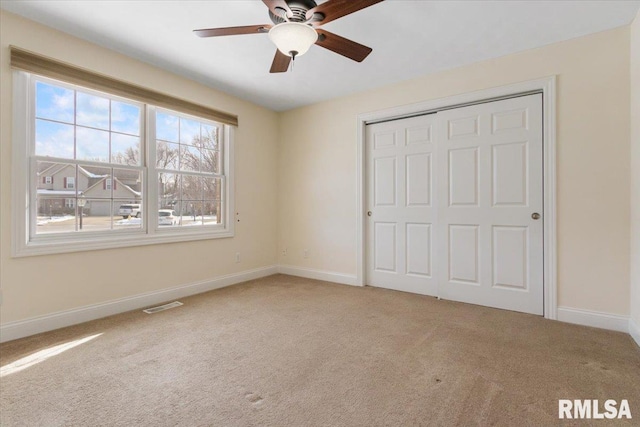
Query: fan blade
{"points": [[232, 31], [334, 9], [342, 46], [274, 5], [280, 63]]}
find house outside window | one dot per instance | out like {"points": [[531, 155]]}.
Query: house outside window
{"points": [[113, 151]]}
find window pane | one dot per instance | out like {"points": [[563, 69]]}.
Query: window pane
{"points": [[189, 158], [191, 187], [167, 127], [91, 182], [125, 149], [132, 221], [96, 215], [210, 161], [167, 155], [191, 213], [125, 118], [92, 111], [54, 102], [168, 190], [210, 137], [168, 218], [54, 139], [189, 132], [92, 144], [127, 184], [54, 215], [61, 182], [211, 212], [44, 175], [211, 188]]}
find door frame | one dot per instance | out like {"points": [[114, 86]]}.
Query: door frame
{"points": [[546, 86]]}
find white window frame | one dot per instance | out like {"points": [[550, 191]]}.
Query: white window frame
{"points": [[25, 242], [70, 203], [70, 182], [48, 180], [222, 175], [108, 184]]}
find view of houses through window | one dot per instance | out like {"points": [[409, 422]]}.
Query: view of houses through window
{"points": [[89, 169]]}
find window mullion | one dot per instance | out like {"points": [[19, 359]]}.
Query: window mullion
{"points": [[32, 217], [151, 181]]}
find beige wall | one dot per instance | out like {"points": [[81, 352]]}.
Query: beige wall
{"points": [[317, 164], [303, 163], [635, 172], [41, 285]]}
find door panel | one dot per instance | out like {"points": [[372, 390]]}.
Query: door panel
{"points": [[385, 181], [509, 164], [400, 197], [490, 165], [510, 257], [463, 253], [419, 249], [463, 177], [419, 179], [385, 246]]}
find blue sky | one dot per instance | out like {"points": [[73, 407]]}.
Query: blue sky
{"points": [[94, 117], [102, 125]]}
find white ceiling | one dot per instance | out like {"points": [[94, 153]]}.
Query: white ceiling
{"points": [[409, 38]]}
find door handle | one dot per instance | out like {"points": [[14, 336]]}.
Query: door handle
{"points": [[369, 213], [535, 215]]}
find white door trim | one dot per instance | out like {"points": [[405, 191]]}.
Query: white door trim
{"points": [[547, 86]]}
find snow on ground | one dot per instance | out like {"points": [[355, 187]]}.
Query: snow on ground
{"points": [[47, 220], [129, 221]]}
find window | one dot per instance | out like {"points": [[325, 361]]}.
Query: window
{"points": [[70, 182], [107, 151], [189, 169]]}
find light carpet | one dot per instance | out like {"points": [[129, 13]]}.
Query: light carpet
{"points": [[286, 351]]}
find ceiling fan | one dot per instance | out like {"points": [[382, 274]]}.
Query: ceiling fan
{"points": [[296, 26]]}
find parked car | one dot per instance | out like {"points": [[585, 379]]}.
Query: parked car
{"points": [[167, 217], [130, 210]]}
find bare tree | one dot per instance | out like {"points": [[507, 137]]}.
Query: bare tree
{"points": [[130, 157]]}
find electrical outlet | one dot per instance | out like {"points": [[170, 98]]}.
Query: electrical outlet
{"points": [[284, 252], [237, 256], [306, 253]]}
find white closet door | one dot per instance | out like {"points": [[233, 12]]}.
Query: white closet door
{"points": [[489, 159], [401, 205]]}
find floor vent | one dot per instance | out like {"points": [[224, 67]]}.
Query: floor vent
{"points": [[163, 307]]}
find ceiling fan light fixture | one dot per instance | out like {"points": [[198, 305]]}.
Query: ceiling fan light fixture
{"points": [[293, 38]]}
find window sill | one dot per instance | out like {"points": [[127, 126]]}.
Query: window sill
{"points": [[60, 246]]}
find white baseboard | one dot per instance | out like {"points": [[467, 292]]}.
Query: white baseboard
{"points": [[596, 319], [345, 279], [634, 331], [36, 325]]}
